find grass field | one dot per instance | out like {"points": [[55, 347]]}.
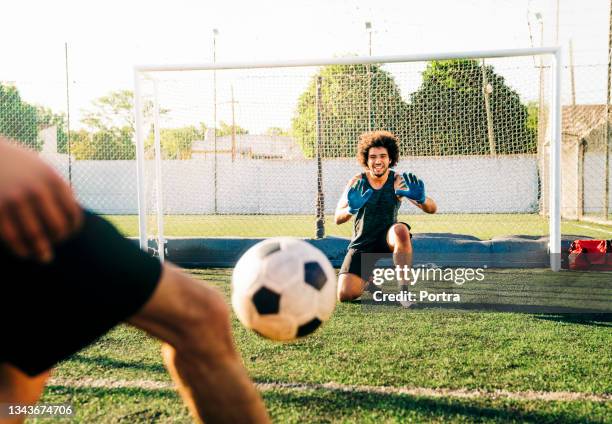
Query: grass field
{"points": [[364, 366], [483, 226]]}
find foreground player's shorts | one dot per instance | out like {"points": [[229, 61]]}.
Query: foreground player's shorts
{"points": [[49, 312]]}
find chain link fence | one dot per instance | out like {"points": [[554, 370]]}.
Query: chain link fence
{"points": [[97, 160]]}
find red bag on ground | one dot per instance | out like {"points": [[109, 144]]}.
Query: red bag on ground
{"points": [[592, 255]]}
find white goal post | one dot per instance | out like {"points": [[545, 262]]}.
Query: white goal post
{"points": [[151, 199]]}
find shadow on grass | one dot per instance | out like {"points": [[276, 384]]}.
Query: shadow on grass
{"points": [[373, 306], [595, 320], [321, 406], [350, 406], [106, 362]]}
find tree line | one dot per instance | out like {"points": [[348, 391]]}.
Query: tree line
{"points": [[108, 132]]}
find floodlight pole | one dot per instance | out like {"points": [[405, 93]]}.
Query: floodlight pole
{"points": [[368, 26]]}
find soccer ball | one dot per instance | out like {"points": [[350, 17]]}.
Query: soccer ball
{"points": [[283, 288]]}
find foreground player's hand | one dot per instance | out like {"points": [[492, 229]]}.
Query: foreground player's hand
{"points": [[37, 208], [357, 199], [416, 188]]}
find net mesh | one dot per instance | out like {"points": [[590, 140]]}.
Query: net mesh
{"points": [[240, 147]]}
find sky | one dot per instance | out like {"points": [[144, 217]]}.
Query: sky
{"points": [[107, 38]]}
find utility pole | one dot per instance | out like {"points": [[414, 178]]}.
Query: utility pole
{"points": [[232, 102]]}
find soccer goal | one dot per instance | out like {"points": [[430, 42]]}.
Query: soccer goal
{"points": [[253, 150]]}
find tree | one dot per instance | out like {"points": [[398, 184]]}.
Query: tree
{"points": [[226, 129], [176, 143], [110, 144], [112, 124], [353, 99], [112, 127], [115, 110], [18, 119], [447, 114]]}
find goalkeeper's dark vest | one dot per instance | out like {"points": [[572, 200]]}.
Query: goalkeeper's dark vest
{"points": [[377, 216]]}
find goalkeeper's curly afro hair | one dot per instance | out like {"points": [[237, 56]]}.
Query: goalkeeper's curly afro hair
{"points": [[377, 139]]}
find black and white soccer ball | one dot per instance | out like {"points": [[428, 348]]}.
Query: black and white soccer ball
{"points": [[283, 288]]}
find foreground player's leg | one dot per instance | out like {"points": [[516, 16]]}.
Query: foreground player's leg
{"points": [[193, 320], [350, 287]]}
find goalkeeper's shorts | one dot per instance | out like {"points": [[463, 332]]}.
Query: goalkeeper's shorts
{"points": [[361, 260]]}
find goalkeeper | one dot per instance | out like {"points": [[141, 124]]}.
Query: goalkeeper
{"points": [[374, 198]]}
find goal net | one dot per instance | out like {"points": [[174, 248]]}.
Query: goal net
{"points": [[261, 150]]}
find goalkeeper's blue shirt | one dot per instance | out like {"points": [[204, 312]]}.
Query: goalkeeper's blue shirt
{"points": [[377, 216]]}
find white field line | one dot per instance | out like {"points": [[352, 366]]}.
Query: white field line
{"points": [[335, 387], [593, 228]]}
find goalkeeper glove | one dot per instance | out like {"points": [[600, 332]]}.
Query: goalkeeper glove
{"points": [[357, 199], [416, 188]]}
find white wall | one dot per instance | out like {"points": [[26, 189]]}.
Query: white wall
{"points": [[594, 171], [458, 184]]}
